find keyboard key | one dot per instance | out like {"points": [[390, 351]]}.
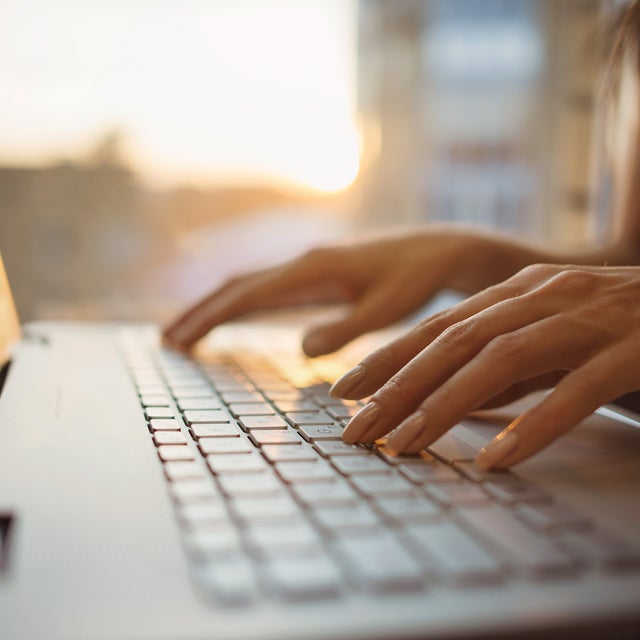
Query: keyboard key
{"points": [[186, 381], [316, 433], [380, 563], [528, 550], [330, 448], [251, 484], [303, 578], [190, 404], [454, 553], [238, 463], [169, 437], [474, 474], [157, 400], [455, 494], [231, 580], [206, 416], [345, 519], [193, 489], [602, 547], [287, 453], [180, 470], [217, 430], [451, 448], [199, 514], [426, 470], [383, 485], [146, 381], [551, 515], [292, 537], [219, 540], [513, 489], [251, 409], [159, 424], [360, 465], [275, 436], [232, 385], [301, 418], [280, 392], [182, 393], [320, 393], [271, 421], [159, 412], [390, 458], [300, 404], [234, 397], [316, 494], [294, 472], [274, 508], [151, 390], [169, 452], [342, 413], [407, 508], [225, 445]]}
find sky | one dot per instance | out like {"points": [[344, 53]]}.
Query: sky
{"points": [[203, 90]]}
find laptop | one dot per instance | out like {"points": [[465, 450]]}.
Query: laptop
{"points": [[145, 495]]}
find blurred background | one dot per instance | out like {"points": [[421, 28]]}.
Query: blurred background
{"points": [[151, 148]]}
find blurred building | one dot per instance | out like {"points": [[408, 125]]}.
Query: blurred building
{"points": [[67, 230], [85, 238], [479, 112]]}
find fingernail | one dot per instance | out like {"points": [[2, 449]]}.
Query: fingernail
{"points": [[498, 449], [170, 341], [361, 422], [314, 344], [177, 336], [406, 433], [347, 382]]}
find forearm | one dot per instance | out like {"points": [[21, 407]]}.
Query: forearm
{"points": [[487, 258]]}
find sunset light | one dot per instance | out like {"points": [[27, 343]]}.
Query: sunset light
{"points": [[203, 92]]}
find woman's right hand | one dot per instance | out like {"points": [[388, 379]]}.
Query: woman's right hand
{"points": [[383, 279]]}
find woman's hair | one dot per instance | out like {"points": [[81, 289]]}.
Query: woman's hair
{"points": [[622, 39], [621, 91]]}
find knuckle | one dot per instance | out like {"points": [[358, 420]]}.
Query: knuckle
{"points": [[319, 257], [458, 333], [506, 348], [397, 391], [236, 279], [573, 280], [380, 360], [537, 270], [585, 385]]}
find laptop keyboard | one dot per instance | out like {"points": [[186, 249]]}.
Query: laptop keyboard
{"points": [[271, 502]]}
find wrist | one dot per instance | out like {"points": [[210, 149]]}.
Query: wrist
{"points": [[484, 260]]}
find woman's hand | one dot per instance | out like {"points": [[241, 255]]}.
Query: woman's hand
{"points": [[576, 329], [383, 279]]}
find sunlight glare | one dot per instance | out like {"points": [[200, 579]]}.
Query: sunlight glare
{"points": [[204, 91]]}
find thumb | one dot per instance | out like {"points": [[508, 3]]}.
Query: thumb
{"points": [[392, 300]]}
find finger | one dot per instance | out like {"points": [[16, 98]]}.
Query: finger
{"points": [[608, 374], [386, 303], [370, 374], [519, 390], [257, 291], [435, 365], [532, 351], [185, 329]]}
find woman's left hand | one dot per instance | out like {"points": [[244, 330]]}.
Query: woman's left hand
{"points": [[576, 329]]}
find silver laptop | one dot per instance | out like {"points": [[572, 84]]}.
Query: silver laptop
{"points": [[145, 495]]}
